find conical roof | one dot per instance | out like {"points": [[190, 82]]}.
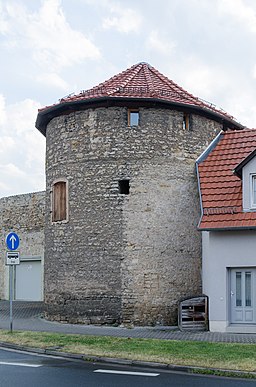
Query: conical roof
{"points": [[141, 81]]}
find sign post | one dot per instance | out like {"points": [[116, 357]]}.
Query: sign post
{"points": [[12, 258], [11, 295]]}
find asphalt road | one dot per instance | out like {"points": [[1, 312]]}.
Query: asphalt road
{"points": [[24, 370]]}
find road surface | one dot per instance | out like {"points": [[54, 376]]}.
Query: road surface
{"points": [[19, 369]]}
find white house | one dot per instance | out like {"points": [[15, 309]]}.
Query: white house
{"points": [[227, 183]]}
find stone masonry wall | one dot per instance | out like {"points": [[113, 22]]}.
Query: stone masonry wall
{"points": [[23, 214], [123, 258]]}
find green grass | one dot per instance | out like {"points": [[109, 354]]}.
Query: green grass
{"points": [[227, 356]]}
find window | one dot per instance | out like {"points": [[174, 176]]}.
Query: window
{"points": [[238, 288], [186, 121], [124, 186], [253, 191], [59, 201], [248, 288], [133, 117]]}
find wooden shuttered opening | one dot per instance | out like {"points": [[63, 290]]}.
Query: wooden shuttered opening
{"points": [[59, 210]]}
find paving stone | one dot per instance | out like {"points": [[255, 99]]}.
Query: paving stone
{"points": [[27, 317]]}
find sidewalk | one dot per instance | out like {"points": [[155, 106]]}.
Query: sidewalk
{"points": [[28, 316]]}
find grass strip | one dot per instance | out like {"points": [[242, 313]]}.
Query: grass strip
{"points": [[225, 356], [230, 374]]}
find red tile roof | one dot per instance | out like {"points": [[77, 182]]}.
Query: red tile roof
{"points": [[141, 81], [221, 189]]}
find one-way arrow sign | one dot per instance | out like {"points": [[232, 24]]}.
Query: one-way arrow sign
{"points": [[12, 241]]}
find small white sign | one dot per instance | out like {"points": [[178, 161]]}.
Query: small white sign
{"points": [[12, 258]]}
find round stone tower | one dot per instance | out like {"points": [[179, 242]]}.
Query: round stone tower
{"points": [[122, 205]]}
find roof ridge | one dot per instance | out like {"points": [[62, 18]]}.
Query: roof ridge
{"points": [[148, 76], [187, 95], [172, 84], [137, 69]]}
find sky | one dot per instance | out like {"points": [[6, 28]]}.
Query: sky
{"points": [[51, 48]]}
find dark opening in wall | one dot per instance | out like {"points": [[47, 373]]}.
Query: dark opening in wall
{"points": [[124, 186], [186, 121]]}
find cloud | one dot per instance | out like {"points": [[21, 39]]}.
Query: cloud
{"points": [[15, 180], [22, 151], [54, 44], [7, 145], [122, 19], [2, 110], [204, 80], [254, 72], [13, 170], [53, 80], [3, 22], [242, 105], [158, 44], [214, 83], [3, 186], [241, 13], [20, 115]]}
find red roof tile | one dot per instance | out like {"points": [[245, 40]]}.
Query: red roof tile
{"points": [[142, 81], [221, 189], [142, 84]]}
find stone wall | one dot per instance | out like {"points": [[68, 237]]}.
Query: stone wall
{"points": [[124, 258], [23, 214]]}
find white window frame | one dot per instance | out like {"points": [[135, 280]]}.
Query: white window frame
{"points": [[252, 189]]}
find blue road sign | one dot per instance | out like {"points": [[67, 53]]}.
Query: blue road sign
{"points": [[12, 241]]}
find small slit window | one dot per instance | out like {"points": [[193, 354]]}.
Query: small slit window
{"points": [[133, 117], [186, 121], [124, 186], [59, 201]]}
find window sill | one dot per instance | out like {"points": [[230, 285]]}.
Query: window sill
{"points": [[59, 221]]}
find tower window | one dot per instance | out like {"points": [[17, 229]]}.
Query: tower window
{"points": [[124, 186], [59, 201], [133, 117], [186, 121]]}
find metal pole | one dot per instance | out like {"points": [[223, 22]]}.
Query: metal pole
{"points": [[11, 295]]}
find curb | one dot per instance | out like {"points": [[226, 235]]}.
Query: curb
{"points": [[138, 363]]}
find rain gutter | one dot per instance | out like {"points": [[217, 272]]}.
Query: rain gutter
{"points": [[47, 114]]}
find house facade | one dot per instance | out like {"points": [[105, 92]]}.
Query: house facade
{"points": [[122, 205], [227, 173]]}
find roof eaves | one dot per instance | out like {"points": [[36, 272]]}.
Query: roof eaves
{"points": [[223, 117], [228, 228], [46, 115]]}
